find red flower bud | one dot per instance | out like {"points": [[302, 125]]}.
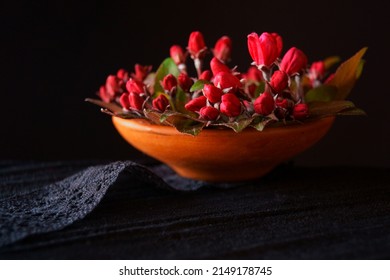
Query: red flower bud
{"points": [[124, 101], [141, 72], [329, 79], [279, 43], [104, 95], [317, 70], [113, 86], [279, 81], [136, 101], [169, 82], [160, 103], [254, 74], [263, 49], [196, 45], [196, 104], [225, 80], [209, 113], [293, 62], [301, 111], [177, 54], [264, 104], [217, 66], [282, 102], [185, 82], [223, 49], [230, 105], [135, 86], [206, 75], [122, 74], [212, 93]]}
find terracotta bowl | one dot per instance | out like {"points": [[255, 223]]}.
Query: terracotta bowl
{"points": [[222, 155]]}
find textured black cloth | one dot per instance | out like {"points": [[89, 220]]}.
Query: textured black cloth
{"points": [[293, 213]]}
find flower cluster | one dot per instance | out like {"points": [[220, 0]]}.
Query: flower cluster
{"points": [[277, 87]]}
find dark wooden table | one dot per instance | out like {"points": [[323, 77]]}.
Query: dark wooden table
{"points": [[293, 213]]}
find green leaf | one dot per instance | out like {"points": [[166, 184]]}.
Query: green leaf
{"points": [[198, 85], [237, 126], [259, 123], [353, 112], [322, 109], [346, 75], [324, 93], [181, 99], [183, 123], [260, 89], [330, 61], [168, 66], [153, 116]]}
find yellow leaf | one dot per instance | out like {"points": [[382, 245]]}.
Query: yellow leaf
{"points": [[346, 75]]}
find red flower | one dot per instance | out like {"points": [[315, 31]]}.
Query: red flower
{"points": [[230, 105], [317, 70], [264, 104], [223, 49], [135, 86], [212, 93], [279, 81], [282, 102], [263, 49], [279, 43], [104, 95], [225, 80], [160, 103], [177, 54], [196, 45], [254, 74], [206, 75], [329, 79], [209, 113], [217, 66], [185, 82], [169, 82], [141, 72], [301, 111], [124, 100], [113, 86], [293, 62], [196, 104], [136, 101], [122, 74]]}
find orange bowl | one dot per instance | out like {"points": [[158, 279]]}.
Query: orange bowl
{"points": [[222, 155]]}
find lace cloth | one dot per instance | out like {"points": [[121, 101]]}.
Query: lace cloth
{"points": [[27, 210]]}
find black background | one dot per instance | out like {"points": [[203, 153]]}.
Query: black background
{"points": [[55, 54]]}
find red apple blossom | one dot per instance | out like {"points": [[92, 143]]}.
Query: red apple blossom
{"points": [[263, 49], [212, 93], [293, 62], [230, 105], [264, 104], [209, 113], [160, 103], [301, 111], [196, 45], [177, 54], [135, 86], [225, 80], [184, 81], [196, 104], [217, 66], [223, 49], [206, 75], [279, 81], [169, 82]]}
